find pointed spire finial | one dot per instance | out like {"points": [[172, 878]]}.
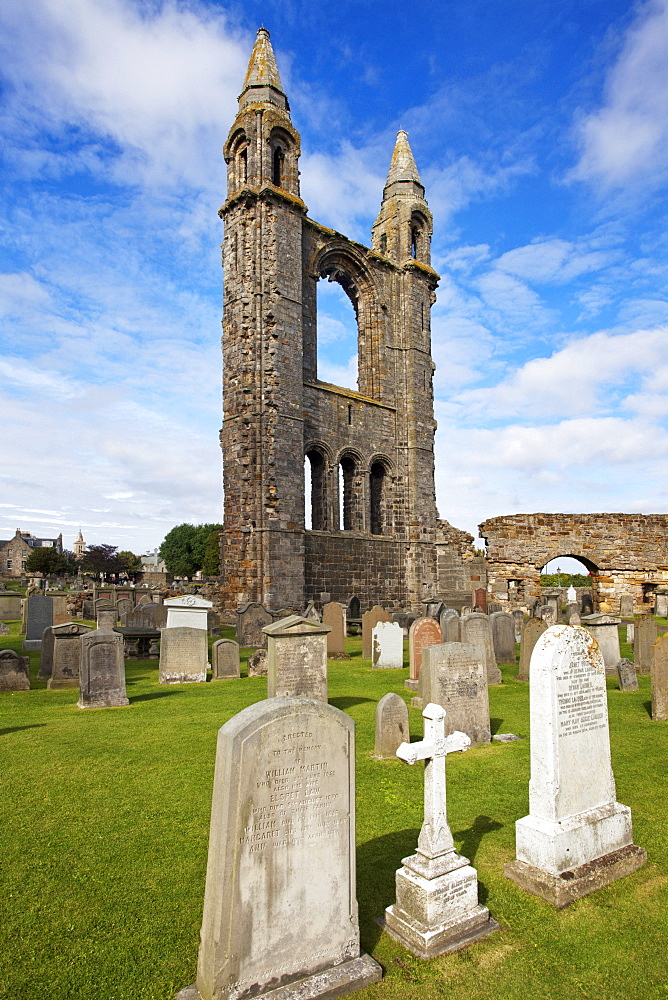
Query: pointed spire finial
{"points": [[403, 166], [262, 68]]}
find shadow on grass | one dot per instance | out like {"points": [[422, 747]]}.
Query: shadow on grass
{"points": [[17, 729], [471, 837], [377, 862], [647, 705], [344, 703], [495, 725], [150, 697]]}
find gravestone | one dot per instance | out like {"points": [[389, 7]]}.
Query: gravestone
{"points": [[107, 617], [369, 620], [4, 629], [659, 679], [143, 616], [189, 611], [334, 618], [224, 659], [577, 837], [535, 608], [297, 658], [88, 609], [604, 629], [183, 655], [282, 845], [518, 621], [554, 602], [251, 619], [46, 653], [39, 615], [493, 607], [571, 595], [144, 599], [102, 682], [531, 632], [10, 606], [66, 656], [449, 622], [503, 637], [422, 633], [630, 630], [453, 676], [476, 629], [257, 663], [586, 605], [60, 612], [436, 909], [312, 612], [548, 615], [626, 605], [661, 605], [124, 605], [391, 725], [387, 648], [626, 676], [644, 637], [433, 609], [212, 620], [480, 599], [14, 671]]}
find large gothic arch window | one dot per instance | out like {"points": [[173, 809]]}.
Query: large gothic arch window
{"points": [[378, 497], [350, 493], [316, 489]]}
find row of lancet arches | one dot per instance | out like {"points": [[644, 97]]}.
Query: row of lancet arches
{"points": [[347, 495]]}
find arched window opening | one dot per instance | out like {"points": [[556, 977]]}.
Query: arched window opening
{"points": [[377, 490], [337, 335], [243, 166], [415, 240], [347, 490], [277, 166], [383, 242], [315, 491]]}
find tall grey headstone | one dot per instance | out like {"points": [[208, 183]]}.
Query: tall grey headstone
{"points": [[183, 655], [453, 676], [102, 683], [14, 671], [106, 617], [225, 659], [518, 620], [436, 909], [644, 637], [659, 679], [476, 629], [449, 622], [39, 615], [297, 658], [251, 619], [391, 725], [661, 605], [282, 844], [604, 629], [626, 676], [577, 837], [626, 605], [66, 655], [532, 630], [387, 646], [503, 637], [46, 653]]}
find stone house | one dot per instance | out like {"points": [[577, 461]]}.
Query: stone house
{"points": [[15, 551]]}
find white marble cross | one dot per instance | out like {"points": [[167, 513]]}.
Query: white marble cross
{"points": [[435, 836]]}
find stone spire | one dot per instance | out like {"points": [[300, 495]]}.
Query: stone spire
{"points": [[403, 173], [263, 81]]}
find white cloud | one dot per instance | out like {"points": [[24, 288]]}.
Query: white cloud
{"points": [[553, 260], [626, 140]]}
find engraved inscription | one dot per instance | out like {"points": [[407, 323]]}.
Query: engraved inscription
{"points": [[580, 698]]}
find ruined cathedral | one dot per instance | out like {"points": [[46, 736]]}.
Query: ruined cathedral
{"points": [[375, 532]]}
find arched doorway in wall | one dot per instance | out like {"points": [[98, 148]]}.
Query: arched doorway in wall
{"points": [[569, 569]]}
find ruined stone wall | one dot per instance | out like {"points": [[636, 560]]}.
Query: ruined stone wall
{"points": [[625, 553], [344, 565]]}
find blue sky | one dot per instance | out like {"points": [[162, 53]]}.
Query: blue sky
{"points": [[540, 129]]}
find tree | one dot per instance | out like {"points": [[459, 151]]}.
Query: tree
{"points": [[211, 564], [129, 563], [188, 547], [100, 559], [47, 561]]}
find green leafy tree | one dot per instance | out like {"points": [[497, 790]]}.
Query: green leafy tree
{"points": [[211, 564], [186, 546], [565, 580], [101, 559], [47, 561], [129, 563]]}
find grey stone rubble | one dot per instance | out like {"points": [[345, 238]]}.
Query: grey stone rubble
{"points": [[297, 658], [577, 837], [453, 676], [225, 659], [102, 672], [392, 728], [436, 908], [183, 655], [282, 843]]}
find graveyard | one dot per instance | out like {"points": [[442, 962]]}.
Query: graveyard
{"points": [[107, 828]]}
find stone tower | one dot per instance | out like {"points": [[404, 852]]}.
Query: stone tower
{"points": [[371, 452]]}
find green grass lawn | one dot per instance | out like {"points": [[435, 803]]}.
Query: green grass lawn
{"points": [[105, 828]]}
